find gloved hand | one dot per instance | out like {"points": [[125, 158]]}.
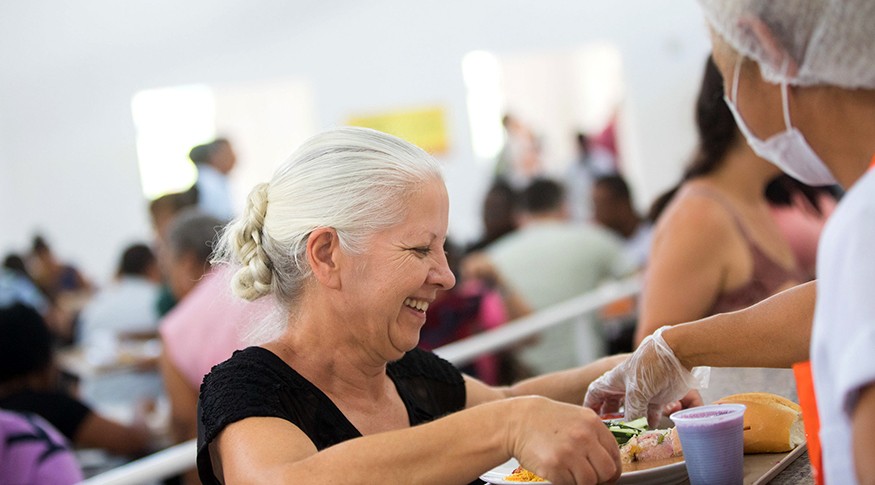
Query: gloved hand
{"points": [[646, 382]]}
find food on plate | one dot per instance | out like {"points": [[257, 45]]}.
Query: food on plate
{"points": [[623, 431], [640, 448], [520, 474], [654, 445], [773, 424], [638, 444]]}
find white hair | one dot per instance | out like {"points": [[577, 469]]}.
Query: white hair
{"points": [[354, 180]]}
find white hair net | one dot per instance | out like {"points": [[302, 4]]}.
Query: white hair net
{"points": [[831, 41]]}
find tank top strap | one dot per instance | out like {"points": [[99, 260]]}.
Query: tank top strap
{"points": [[721, 199]]}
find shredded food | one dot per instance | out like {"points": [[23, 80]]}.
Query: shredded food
{"points": [[523, 475]]}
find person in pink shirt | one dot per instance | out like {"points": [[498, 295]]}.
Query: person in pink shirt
{"points": [[204, 328]]}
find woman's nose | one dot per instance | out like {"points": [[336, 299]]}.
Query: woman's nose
{"points": [[441, 274]]}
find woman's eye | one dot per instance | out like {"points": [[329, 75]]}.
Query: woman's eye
{"points": [[423, 251]]}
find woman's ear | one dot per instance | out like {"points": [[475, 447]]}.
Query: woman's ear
{"points": [[322, 254], [776, 54]]}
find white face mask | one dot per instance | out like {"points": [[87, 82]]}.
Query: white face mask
{"points": [[788, 149]]}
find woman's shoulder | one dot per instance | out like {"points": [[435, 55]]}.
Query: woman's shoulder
{"points": [[251, 367], [700, 209], [424, 364], [250, 383]]}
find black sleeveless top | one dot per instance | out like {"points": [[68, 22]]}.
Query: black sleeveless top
{"points": [[254, 382]]}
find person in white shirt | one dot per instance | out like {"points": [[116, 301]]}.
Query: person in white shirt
{"points": [[214, 161], [800, 80], [123, 312]]}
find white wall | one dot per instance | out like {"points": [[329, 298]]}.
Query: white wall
{"points": [[67, 152]]}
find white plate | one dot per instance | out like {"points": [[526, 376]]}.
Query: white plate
{"points": [[663, 475], [497, 474]]}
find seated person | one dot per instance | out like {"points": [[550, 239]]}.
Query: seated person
{"points": [[551, 259], [29, 383], [206, 312], [63, 284], [716, 247], [482, 301], [32, 451], [126, 307], [613, 209], [124, 313], [348, 239]]}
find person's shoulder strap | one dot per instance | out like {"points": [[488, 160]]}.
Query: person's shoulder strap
{"points": [[727, 206]]}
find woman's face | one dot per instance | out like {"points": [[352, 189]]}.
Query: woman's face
{"points": [[391, 285]]}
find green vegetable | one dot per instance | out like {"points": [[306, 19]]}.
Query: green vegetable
{"points": [[624, 431]]}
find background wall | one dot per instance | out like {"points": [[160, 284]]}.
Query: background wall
{"points": [[68, 163]]}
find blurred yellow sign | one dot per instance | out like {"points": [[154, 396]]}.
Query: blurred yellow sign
{"points": [[425, 127]]}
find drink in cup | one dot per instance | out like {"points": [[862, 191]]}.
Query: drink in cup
{"points": [[713, 441]]}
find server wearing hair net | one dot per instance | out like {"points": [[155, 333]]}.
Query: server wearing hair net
{"points": [[800, 81]]}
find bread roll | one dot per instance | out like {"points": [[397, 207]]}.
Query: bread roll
{"points": [[775, 422]]}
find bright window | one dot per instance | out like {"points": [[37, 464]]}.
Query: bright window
{"points": [[169, 122]]}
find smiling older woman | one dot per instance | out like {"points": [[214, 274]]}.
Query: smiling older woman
{"points": [[348, 238]]}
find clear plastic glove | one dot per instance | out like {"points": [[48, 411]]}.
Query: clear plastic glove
{"points": [[648, 381]]}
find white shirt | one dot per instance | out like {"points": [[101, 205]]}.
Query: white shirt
{"points": [[128, 305], [843, 339], [214, 192], [637, 247]]}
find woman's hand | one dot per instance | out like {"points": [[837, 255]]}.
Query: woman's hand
{"points": [[647, 382], [566, 444]]}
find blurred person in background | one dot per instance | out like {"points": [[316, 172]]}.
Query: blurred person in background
{"points": [[204, 328], [551, 259], [16, 285], [802, 92], [592, 161], [125, 308], [214, 161], [716, 247], [613, 209], [33, 452], [519, 161], [498, 214], [481, 301], [29, 382], [63, 284], [801, 212], [122, 316], [53, 276], [162, 211]]}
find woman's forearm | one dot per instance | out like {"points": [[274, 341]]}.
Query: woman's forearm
{"points": [[566, 386], [773, 333], [454, 449], [457, 449]]}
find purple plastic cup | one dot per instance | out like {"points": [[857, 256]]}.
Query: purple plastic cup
{"points": [[713, 441]]}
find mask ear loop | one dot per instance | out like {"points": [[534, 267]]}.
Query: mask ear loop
{"points": [[785, 101], [735, 79]]}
